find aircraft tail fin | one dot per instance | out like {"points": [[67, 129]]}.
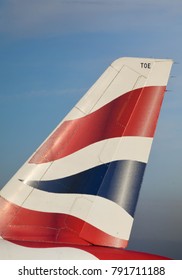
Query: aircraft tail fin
{"points": [[82, 185]]}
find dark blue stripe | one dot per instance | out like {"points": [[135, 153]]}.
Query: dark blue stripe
{"points": [[122, 183], [119, 181]]}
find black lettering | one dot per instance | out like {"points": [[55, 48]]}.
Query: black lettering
{"points": [[145, 65]]}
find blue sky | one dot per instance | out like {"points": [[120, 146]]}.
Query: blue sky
{"points": [[51, 52]]}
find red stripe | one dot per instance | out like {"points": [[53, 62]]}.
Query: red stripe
{"points": [[104, 253], [50, 229], [132, 114], [98, 237]]}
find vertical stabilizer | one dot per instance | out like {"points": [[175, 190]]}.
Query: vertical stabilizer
{"points": [[82, 185]]}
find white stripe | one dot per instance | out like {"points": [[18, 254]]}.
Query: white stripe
{"points": [[10, 251], [110, 218], [120, 86], [16, 191], [124, 148]]}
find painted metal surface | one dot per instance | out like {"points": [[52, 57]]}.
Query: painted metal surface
{"points": [[81, 187]]}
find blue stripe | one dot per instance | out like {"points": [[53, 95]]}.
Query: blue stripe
{"points": [[122, 183], [119, 181]]}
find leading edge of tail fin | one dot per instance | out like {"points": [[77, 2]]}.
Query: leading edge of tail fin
{"points": [[82, 185]]}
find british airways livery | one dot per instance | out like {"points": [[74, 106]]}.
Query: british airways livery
{"points": [[75, 197]]}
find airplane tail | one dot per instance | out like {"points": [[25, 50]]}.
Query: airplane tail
{"points": [[82, 185]]}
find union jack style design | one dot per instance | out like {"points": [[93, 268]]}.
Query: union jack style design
{"points": [[81, 187]]}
